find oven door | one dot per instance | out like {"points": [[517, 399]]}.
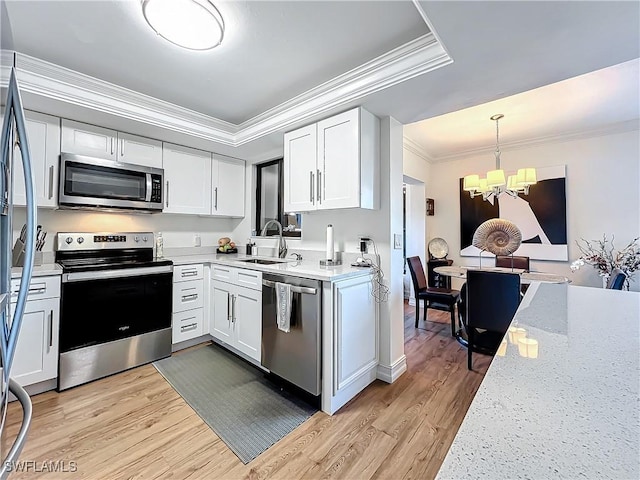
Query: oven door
{"points": [[95, 182], [103, 306]]}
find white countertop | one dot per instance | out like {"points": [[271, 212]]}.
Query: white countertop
{"points": [[572, 412], [39, 270], [305, 268]]}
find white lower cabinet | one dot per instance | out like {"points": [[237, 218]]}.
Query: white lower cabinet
{"points": [[188, 303], [36, 357], [236, 311]]}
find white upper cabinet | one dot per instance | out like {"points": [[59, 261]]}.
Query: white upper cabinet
{"points": [[187, 175], [228, 181], [333, 164], [139, 150], [300, 169], [43, 132], [84, 139]]}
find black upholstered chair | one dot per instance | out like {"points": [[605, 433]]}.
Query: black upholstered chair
{"points": [[437, 298], [616, 279], [492, 300], [510, 261]]}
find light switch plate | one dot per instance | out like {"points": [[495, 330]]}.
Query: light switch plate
{"points": [[196, 241], [397, 241]]}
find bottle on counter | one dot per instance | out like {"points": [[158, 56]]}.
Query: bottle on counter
{"points": [[249, 247], [159, 245]]}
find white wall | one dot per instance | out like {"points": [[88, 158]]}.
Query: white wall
{"points": [[603, 178], [415, 231]]}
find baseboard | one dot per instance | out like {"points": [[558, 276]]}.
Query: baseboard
{"points": [[391, 373], [190, 343], [38, 388], [412, 301]]}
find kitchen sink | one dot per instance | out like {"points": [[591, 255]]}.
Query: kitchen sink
{"points": [[262, 261]]}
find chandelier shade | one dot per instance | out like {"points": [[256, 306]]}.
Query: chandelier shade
{"points": [[496, 183]]}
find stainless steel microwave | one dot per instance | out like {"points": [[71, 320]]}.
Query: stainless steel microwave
{"points": [[87, 182]]}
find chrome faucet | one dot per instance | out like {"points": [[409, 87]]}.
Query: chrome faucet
{"points": [[282, 244]]}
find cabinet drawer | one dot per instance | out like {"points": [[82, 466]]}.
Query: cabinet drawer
{"points": [[187, 325], [223, 273], [182, 273], [188, 295], [249, 278], [40, 288]]}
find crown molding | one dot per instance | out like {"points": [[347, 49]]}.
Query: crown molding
{"points": [[52, 81], [611, 129], [412, 59], [416, 149]]}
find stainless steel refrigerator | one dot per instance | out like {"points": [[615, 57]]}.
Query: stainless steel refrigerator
{"points": [[15, 148]]}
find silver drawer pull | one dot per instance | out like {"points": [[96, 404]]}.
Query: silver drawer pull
{"points": [[294, 288], [189, 273], [187, 298], [186, 328], [33, 290]]}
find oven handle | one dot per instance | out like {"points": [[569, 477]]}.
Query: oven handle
{"points": [[105, 274], [294, 288]]}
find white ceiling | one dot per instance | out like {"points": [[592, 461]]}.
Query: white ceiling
{"points": [[274, 51]]}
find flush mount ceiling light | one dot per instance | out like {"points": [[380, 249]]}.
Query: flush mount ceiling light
{"points": [[494, 184], [192, 24]]}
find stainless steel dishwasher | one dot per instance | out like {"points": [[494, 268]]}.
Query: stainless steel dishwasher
{"points": [[294, 356]]}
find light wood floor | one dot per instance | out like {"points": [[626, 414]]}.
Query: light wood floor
{"points": [[134, 425]]}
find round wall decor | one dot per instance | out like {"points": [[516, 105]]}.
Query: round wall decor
{"points": [[438, 247], [498, 236]]}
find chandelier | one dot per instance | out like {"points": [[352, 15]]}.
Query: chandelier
{"points": [[495, 184]]}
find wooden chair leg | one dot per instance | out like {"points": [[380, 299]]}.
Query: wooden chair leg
{"points": [[453, 320], [469, 349], [417, 311]]}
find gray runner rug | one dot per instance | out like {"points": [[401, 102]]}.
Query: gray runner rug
{"points": [[244, 409]]}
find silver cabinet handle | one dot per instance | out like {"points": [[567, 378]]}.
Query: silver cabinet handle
{"points": [[189, 273], [112, 145], [188, 298], [216, 198], [233, 308], [311, 198], [319, 186], [186, 328], [50, 329], [50, 182], [167, 194], [122, 147], [228, 307]]}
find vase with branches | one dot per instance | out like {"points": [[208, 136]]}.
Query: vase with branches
{"points": [[602, 255]]}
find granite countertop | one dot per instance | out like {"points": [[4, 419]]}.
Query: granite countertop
{"points": [[572, 412], [43, 270], [305, 268]]}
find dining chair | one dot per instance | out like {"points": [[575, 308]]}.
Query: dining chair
{"points": [[437, 298], [616, 279], [492, 300], [510, 261]]}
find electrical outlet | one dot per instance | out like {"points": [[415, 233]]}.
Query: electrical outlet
{"points": [[196, 240], [397, 241]]}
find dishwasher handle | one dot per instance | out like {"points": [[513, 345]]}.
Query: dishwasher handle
{"points": [[294, 288]]}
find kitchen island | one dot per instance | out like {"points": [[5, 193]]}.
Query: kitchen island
{"points": [[571, 411]]}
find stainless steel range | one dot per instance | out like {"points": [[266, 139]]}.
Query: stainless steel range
{"points": [[115, 306]]}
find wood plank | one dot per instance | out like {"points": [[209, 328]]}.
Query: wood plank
{"points": [[134, 425]]}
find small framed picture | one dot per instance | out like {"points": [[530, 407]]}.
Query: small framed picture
{"points": [[430, 207]]}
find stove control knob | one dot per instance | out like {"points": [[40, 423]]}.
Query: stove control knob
{"points": [[80, 239], [144, 239], [136, 238], [68, 240]]}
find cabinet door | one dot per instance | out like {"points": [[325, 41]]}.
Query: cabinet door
{"points": [[228, 186], [36, 357], [84, 139], [43, 134], [300, 173], [139, 150], [339, 161], [220, 321], [187, 325], [187, 174], [247, 321]]}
